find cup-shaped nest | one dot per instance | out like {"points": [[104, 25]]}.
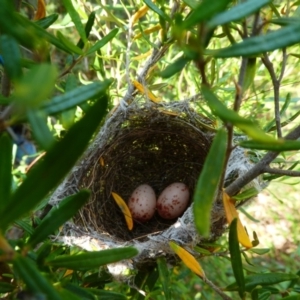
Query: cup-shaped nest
{"points": [[142, 145]]}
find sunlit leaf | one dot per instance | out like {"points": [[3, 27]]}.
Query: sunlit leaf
{"points": [[139, 14], [125, 210], [76, 19], [148, 31], [256, 45], [208, 182], [145, 91], [188, 259], [246, 194], [227, 115], [231, 214], [98, 45], [279, 145], [90, 260]]}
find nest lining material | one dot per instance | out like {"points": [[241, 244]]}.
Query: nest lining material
{"points": [[138, 145]]}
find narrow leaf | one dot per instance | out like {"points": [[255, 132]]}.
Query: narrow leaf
{"points": [[206, 10], [139, 14], [236, 13], [125, 210], [66, 209], [157, 10], [5, 170], [75, 18], [6, 287], [55, 165], [76, 97], [98, 45], [266, 279], [175, 67], [88, 27], [41, 10], [256, 45], [47, 21], [188, 259], [33, 279], [278, 145], [90, 260], [72, 47], [107, 295], [11, 55], [246, 194], [164, 276], [227, 115], [231, 214], [208, 182], [28, 91], [145, 91], [250, 73], [40, 129], [236, 258]]}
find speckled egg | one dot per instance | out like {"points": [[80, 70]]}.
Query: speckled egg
{"points": [[173, 200], [142, 203]]}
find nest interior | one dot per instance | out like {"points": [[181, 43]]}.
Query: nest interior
{"points": [[144, 146]]}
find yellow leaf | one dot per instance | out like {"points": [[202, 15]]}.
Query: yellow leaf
{"points": [[188, 259], [101, 161], [142, 56], [148, 31], [231, 213], [41, 10], [139, 14], [125, 210], [145, 91], [6, 251]]}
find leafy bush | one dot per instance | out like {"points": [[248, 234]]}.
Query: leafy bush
{"points": [[195, 48]]}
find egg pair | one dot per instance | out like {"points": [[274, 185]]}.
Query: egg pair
{"points": [[171, 203]]}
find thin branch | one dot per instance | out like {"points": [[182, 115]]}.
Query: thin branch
{"points": [[281, 172], [259, 168], [240, 83], [216, 289]]}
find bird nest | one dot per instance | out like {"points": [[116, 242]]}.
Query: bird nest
{"points": [[143, 144]]}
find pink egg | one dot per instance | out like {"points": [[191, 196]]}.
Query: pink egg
{"points": [[173, 200], [142, 203]]}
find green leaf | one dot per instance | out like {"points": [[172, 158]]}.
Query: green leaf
{"points": [[248, 193], [266, 279], [47, 21], [73, 48], [107, 295], [227, 115], [277, 145], [157, 10], [60, 214], [164, 276], [88, 27], [175, 67], [206, 10], [5, 169], [103, 41], [256, 45], [40, 129], [11, 54], [208, 182], [76, 19], [259, 251], [90, 260], [249, 73], [80, 292], [35, 86], [6, 287], [236, 258], [236, 13], [55, 165], [293, 297], [25, 226], [33, 279], [75, 97]]}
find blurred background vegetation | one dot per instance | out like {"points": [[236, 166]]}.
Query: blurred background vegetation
{"points": [[83, 54]]}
